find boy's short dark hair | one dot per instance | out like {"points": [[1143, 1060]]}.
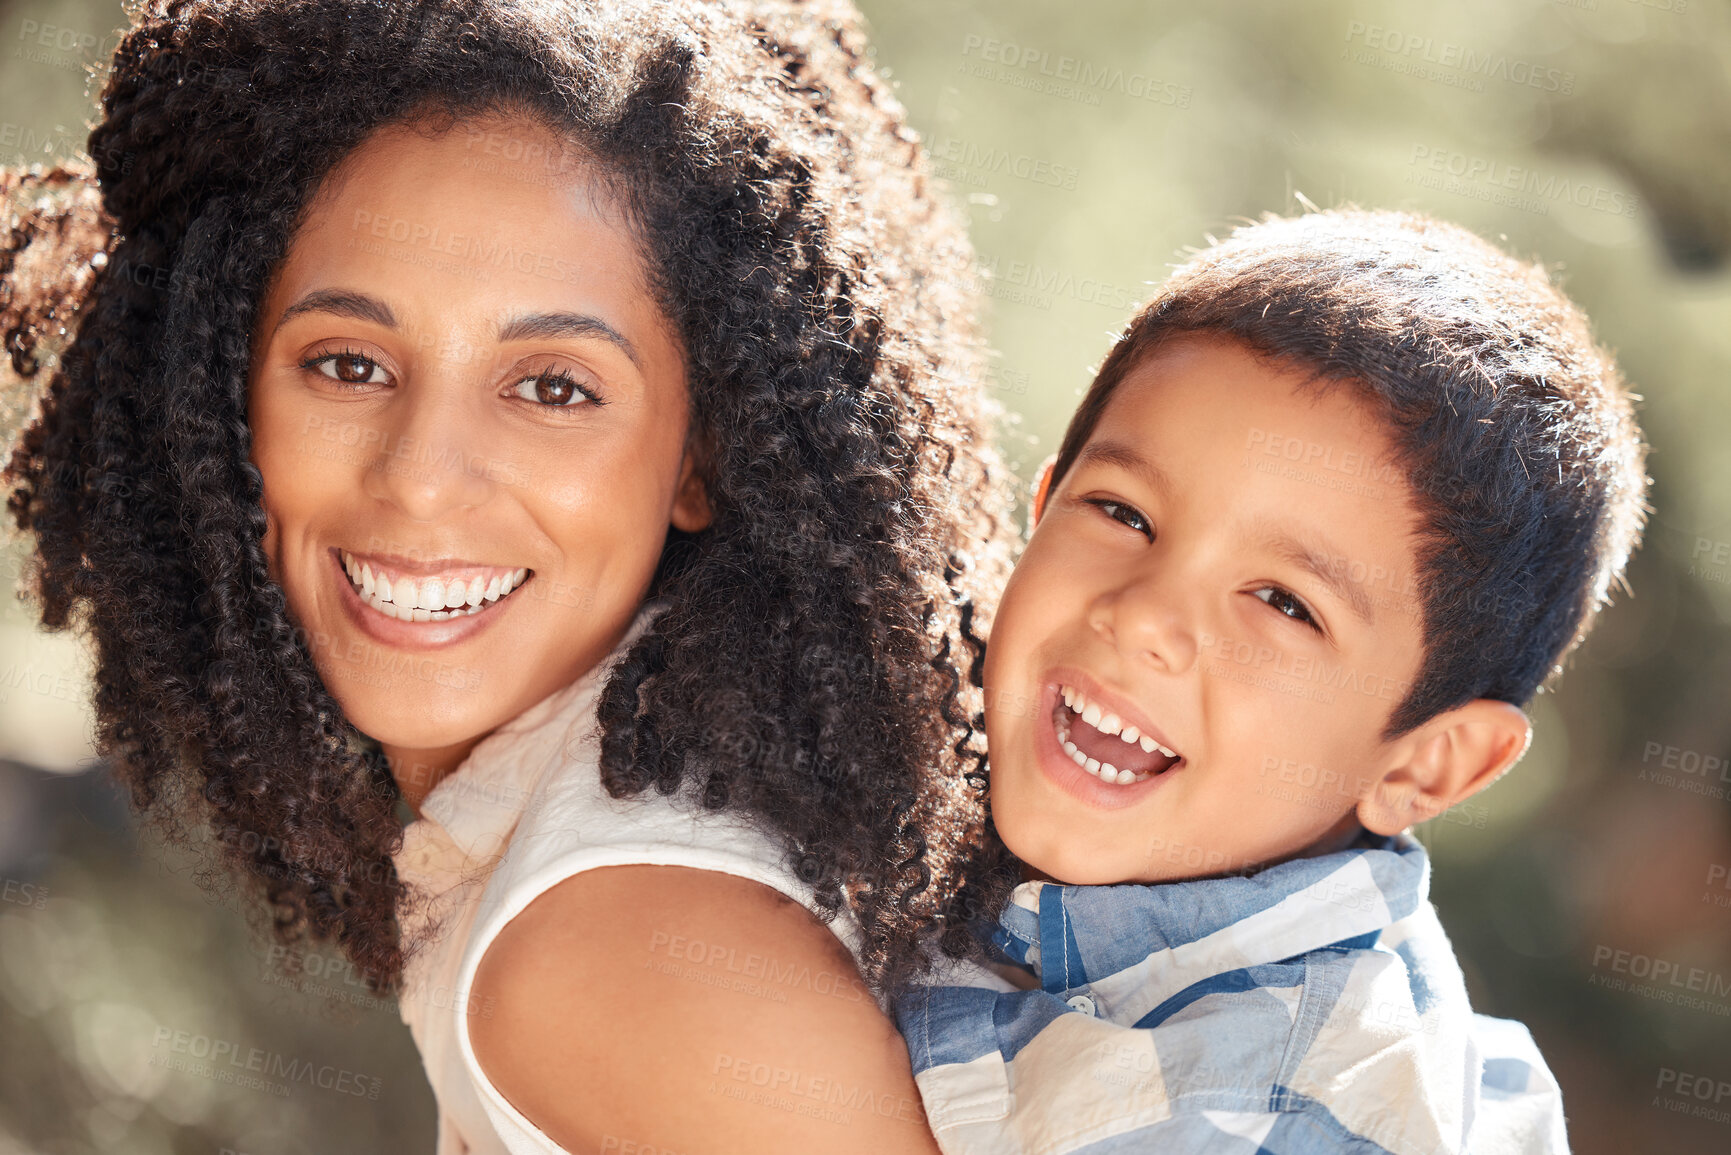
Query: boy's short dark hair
{"points": [[1513, 426]]}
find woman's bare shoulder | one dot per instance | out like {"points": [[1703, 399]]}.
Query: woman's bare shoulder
{"points": [[689, 1010]]}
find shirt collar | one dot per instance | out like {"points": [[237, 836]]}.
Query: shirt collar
{"points": [[1071, 936]]}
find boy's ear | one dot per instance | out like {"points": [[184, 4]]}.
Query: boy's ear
{"points": [[1042, 485], [1447, 760]]}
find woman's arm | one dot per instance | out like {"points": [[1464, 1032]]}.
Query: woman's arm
{"points": [[689, 1011]]}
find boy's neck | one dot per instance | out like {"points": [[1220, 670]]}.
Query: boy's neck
{"points": [[1340, 836], [1031, 873]]}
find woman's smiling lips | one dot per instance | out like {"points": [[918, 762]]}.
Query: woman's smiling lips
{"points": [[1061, 768], [480, 599]]}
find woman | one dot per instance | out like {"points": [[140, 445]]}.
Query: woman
{"points": [[508, 408]]}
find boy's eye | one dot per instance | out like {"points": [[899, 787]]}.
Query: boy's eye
{"points": [[555, 389], [1288, 604], [1126, 514], [346, 368]]}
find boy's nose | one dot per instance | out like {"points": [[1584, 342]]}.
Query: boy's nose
{"points": [[1148, 620]]}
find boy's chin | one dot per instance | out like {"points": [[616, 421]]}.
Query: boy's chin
{"points": [[1049, 860], [1055, 851]]}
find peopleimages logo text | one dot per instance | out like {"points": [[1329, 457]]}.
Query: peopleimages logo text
{"points": [[1085, 74], [1446, 54]]}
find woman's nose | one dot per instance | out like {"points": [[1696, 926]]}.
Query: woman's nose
{"points": [[431, 456]]}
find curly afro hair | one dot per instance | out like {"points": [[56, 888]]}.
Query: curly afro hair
{"points": [[821, 289]]}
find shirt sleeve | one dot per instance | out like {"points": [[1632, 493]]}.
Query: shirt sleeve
{"points": [[1520, 1106]]}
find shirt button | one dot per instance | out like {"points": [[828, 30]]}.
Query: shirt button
{"points": [[1081, 1003]]}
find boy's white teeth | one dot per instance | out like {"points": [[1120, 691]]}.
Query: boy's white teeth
{"points": [[431, 599], [1077, 703], [1104, 771]]}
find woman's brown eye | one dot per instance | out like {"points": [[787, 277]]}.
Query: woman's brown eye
{"points": [[552, 390], [354, 370], [555, 389], [346, 368]]}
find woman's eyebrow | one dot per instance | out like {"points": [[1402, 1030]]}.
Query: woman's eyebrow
{"points": [[556, 325], [342, 302], [366, 307]]}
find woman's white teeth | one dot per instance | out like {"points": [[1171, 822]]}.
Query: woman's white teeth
{"points": [[1107, 723], [430, 599]]}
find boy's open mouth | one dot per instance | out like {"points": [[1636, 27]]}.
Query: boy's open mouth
{"points": [[1103, 745]]}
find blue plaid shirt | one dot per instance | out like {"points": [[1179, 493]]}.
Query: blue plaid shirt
{"points": [[1313, 1007]]}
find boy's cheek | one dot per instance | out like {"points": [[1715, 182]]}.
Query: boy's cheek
{"points": [[1002, 743], [1045, 601], [1010, 674]]}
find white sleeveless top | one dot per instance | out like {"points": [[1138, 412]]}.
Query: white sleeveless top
{"points": [[523, 812]]}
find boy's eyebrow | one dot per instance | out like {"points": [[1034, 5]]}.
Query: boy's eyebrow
{"points": [[1313, 558], [366, 307], [1126, 458]]}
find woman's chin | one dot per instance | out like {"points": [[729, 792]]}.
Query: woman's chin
{"points": [[406, 713]]}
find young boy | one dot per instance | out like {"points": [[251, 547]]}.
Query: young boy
{"points": [[1339, 501]]}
